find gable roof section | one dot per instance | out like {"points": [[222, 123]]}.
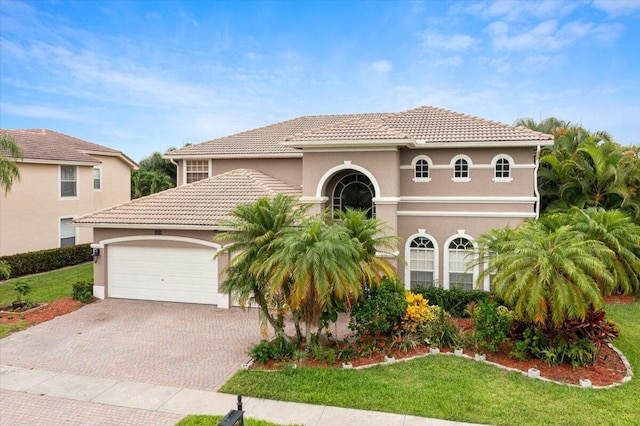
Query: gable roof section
{"points": [[43, 145], [263, 141], [199, 205], [418, 127]]}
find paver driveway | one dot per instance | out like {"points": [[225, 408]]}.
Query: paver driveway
{"points": [[172, 344]]}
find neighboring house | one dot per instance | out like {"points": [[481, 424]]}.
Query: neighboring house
{"points": [[439, 179], [60, 177]]}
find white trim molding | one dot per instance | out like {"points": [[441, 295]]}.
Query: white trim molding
{"points": [[385, 200], [130, 238], [347, 165], [313, 200], [422, 213], [467, 199]]}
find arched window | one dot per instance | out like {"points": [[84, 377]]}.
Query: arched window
{"points": [[502, 165], [355, 191], [461, 274], [461, 165], [422, 263], [461, 168], [422, 169]]}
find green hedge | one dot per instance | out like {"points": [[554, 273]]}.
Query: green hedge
{"points": [[453, 301], [46, 260]]}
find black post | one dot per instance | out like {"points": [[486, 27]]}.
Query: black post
{"points": [[239, 402]]}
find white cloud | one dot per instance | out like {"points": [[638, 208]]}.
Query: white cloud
{"points": [[448, 42], [449, 61], [517, 10], [617, 7], [549, 35], [382, 67]]}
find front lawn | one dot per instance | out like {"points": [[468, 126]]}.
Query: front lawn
{"points": [[48, 286], [457, 389], [201, 420]]}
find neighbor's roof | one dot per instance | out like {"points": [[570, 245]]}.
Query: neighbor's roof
{"points": [[43, 145], [423, 126], [199, 205]]}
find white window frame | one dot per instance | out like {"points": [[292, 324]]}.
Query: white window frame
{"points": [[436, 258], [77, 181], [99, 169], [186, 174], [494, 164], [454, 160], [75, 231], [414, 165], [475, 269]]}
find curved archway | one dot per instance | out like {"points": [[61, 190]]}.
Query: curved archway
{"points": [[355, 191]]}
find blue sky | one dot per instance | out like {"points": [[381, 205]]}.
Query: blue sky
{"points": [[142, 76]]}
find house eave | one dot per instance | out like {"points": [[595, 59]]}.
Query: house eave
{"points": [[118, 154], [232, 156], [421, 144], [58, 162], [98, 225]]}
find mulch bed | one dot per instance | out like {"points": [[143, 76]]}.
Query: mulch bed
{"points": [[43, 313]]}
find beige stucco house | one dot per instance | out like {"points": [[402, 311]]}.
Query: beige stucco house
{"points": [[438, 178], [61, 177]]}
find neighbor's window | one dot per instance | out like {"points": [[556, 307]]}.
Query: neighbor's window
{"points": [[97, 178], [197, 170], [460, 273], [68, 181], [67, 233], [421, 262]]}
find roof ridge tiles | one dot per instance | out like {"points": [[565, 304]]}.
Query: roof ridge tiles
{"points": [[374, 121]]}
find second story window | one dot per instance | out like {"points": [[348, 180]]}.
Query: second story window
{"points": [[461, 169], [197, 170], [422, 169], [97, 178], [68, 181], [503, 169]]}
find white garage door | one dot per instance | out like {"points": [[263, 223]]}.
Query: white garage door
{"points": [[162, 273]]}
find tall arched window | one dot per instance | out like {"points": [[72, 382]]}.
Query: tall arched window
{"points": [[421, 169], [355, 191], [422, 263], [502, 165], [461, 274]]}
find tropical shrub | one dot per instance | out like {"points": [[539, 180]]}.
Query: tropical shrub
{"points": [[82, 291], [441, 331], [5, 270], [21, 289], [277, 348], [492, 323], [453, 301], [381, 309]]}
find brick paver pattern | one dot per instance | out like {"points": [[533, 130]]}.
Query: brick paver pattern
{"points": [[171, 344], [23, 409]]}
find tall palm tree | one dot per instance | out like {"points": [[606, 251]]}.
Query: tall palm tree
{"points": [[10, 152], [550, 272], [321, 262], [253, 229], [376, 245]]}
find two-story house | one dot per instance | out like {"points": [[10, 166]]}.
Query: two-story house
{"points": [[61, 177], [439, 179]]}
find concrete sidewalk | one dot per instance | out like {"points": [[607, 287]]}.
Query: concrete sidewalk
{"points": [[181, 401]]}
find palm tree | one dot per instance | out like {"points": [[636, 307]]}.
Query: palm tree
{"points": [[10, 152], [616, 231], [376, 246], [549, 272], [321, 263], [253, 229]]}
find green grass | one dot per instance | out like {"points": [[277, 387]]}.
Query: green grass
{"points": [[199, 420], [458, 389], [7, 329], [48, 286]]}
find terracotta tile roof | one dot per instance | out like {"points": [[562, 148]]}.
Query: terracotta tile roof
{"points": [[264, 140], [425, 124], [44, 144], [200, 204]]}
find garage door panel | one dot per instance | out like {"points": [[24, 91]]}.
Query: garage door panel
{"points": [[163, 273]]}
